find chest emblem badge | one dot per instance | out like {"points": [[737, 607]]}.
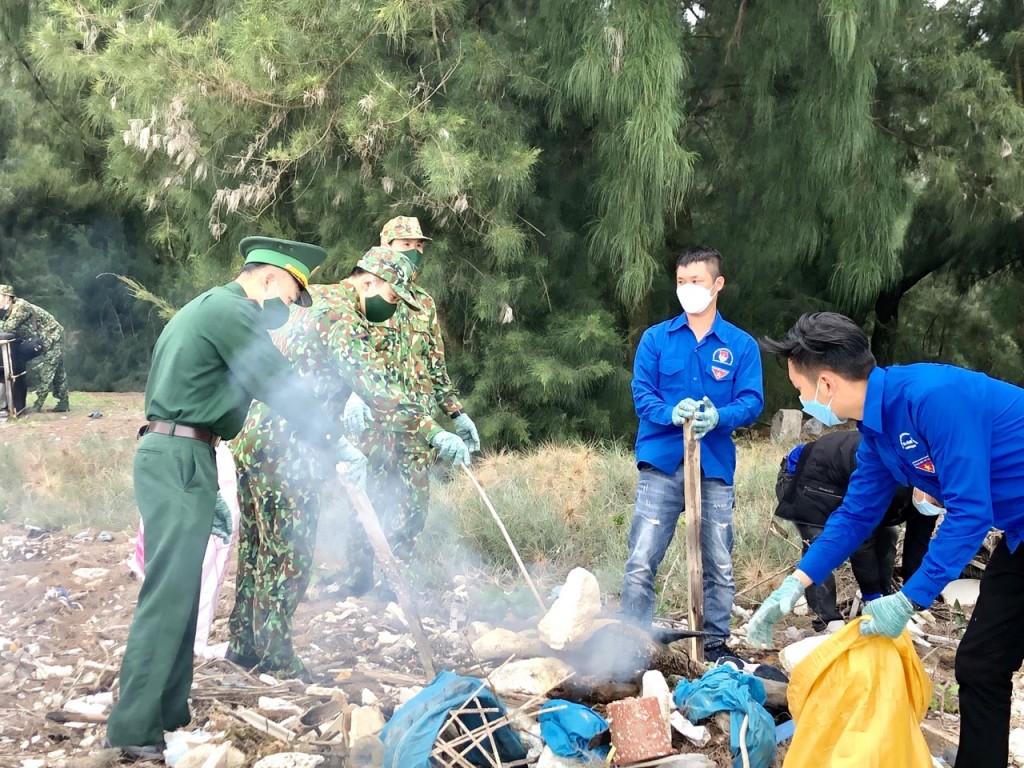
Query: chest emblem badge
{"points": [[719, 373], [723, 356]]}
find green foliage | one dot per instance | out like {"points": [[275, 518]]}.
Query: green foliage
{"points": [[838, 153]]}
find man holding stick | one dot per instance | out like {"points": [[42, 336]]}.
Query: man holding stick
{"points": [[694, 366]]}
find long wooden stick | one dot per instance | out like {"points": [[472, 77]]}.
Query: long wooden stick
{"points": [[371, 524], [694, 565], [508, 539]]}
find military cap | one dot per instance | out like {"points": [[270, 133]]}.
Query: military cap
{"points": [[391, 267], [300, 260], [402, 228], [6, 290]]}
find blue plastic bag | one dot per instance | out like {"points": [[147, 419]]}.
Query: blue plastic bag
{"points": [[567, 729]]}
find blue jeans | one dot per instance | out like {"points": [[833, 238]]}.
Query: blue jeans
{"points": [[659, 502]]}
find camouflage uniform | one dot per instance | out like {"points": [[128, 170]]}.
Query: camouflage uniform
{"points": [[398, 482], [27, 321], [280, 479]]}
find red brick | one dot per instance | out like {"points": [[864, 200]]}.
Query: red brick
{"points": [[638, 731]]}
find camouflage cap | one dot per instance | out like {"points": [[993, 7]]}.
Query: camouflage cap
{"points": [[391, 267], [402, 228], [6, 290]]}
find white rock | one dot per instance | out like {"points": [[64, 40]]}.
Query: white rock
{"points": [[786, 425], [271, 704], [801, 608], [502, 643], [792, 634], [88, 574], [197, 757], [534, 677], [549, 759], [1017, 745], [290, 760], [578, 601], [366, 721], [692, 760], [793, 654], [963, 591]]}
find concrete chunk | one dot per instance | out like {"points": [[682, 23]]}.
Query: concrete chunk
{"points": [[579, 601]]}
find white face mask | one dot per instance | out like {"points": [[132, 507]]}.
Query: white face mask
{"points": [[693, 298], [925, 507]]}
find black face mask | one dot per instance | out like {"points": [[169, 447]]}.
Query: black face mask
{"points": [[379, 309]]}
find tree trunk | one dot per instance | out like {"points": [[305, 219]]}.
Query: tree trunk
{"points": [[887, 319]]}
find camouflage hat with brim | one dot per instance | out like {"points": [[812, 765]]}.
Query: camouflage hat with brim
{"points": [[402, 228], [6, 290], [391, 267], [300, 260]]}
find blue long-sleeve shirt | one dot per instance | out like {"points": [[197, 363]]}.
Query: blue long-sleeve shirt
{"points": [[953, 433], [671, 365]]}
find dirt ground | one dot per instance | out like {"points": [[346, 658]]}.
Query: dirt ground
{"points": [[67, 598]]}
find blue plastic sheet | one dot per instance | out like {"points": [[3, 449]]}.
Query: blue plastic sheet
{"points": [[567, 729], [726, 688], [410, 734]]}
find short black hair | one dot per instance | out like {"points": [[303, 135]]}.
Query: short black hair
{"points": [[701, 253], [825, 340]]}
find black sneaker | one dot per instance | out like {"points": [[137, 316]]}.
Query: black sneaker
{"points": [[138, 752], [713, 653]]}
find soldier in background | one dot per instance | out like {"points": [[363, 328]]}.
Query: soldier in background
{"points": [[398, 481], [36, 328], [280, 479]]}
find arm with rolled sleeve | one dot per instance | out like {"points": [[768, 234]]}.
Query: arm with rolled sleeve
{"points": [[961, 453], [748, 398], [647, 398], [871, 490]]}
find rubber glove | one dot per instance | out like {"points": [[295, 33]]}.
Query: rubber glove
{"points": [[684, 410], [705, 419], [466, 429], [356, 415], [351, 466], [451, 447], [889, 615], [778, 604], [221, 520]]}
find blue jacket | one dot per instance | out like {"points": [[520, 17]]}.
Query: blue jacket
{"points": [[670, 366], [954, 433]]}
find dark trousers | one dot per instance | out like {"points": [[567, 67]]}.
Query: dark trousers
{"points": [[992, 649], [916, 537], [872, 566], [176, 490]]}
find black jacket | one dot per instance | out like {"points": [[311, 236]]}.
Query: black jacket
{"points": [[816, 489]]}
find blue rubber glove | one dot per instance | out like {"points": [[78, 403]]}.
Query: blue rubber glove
{"points": [[221, 520], [451, 447], [351, 466], [684, 410], [466, 429], [778, 604], [356, 415], [889, 615], [705, 419]]}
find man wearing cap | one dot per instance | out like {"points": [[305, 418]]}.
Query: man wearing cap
{"points": [[213, 358], [35, 326], [398, 479], [280, 482]]}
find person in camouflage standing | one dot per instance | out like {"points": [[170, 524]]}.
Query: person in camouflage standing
{"points": [[29, 322], [280, 481], [398, 481]]}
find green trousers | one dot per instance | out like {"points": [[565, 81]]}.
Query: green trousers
{"points": [[176, 490]]}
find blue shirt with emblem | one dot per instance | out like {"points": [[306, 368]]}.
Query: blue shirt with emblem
{"points": [[953, 433], [671, 365]]}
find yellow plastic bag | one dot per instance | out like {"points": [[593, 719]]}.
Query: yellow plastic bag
{"points": [[858, 702]]}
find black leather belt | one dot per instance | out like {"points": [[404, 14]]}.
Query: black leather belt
{"points": [[181, 430]]}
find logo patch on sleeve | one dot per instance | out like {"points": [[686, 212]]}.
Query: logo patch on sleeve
{"points": [[722, 355], [907, 441], [925, 464], [719, 373]]}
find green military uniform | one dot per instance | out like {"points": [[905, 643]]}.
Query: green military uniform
{"points": [[398, 481], [27, 321], [211, 360], [280, 480]]}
